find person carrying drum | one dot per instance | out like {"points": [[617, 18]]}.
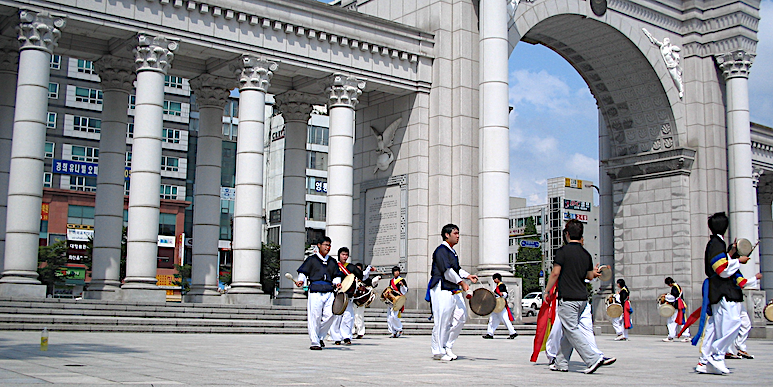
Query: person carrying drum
{"points": [[623, 323], [448, 307], [676, 299], [399, 287], [323, 277], [341, 328], [359, 311], [505, 316], [571, 267], [722, 292]]}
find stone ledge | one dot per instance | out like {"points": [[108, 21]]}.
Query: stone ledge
{"points": [[653, 165]]}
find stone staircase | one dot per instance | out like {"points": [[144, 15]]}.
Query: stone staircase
{"points": [[116, 316]]}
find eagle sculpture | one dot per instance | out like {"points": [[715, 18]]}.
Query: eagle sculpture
{"points": [[385, 140]]}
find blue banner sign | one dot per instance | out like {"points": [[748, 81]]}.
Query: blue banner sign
{"points": [[78, 168], [530, 244]]}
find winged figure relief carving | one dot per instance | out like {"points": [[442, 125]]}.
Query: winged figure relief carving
{"points": [[384, 141]]}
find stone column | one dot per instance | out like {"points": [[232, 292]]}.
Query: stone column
{"points": [[211, 95], [343, 97], [9, 65], [606, 213], [296, 108], [254, 76], [38, 35], [494, 176], [117, 79], [766, 241], [735, 69], [153, 58]]}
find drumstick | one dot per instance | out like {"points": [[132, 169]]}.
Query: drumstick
{"points": [[290, 277], [754, 247]]}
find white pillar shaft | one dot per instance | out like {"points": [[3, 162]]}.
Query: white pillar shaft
{"points": [[206, 210], [7, 101], [248, 209], [108, 211], [766, 248], [606, 213], [494, 176], [144, 196], [739, 159], [340, 172], [293, 204], [25, 187]]}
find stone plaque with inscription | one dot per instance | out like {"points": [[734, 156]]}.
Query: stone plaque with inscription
{"points": [[382, 225]]}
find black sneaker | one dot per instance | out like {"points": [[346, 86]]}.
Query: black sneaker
{"points": [[348, 341], [359, 337], [608, 361], [337, 343], [488, 336], [315, 348], [322, 344], [514, 335]]}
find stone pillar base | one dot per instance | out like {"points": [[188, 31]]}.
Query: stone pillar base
{"points": [[246, 299], [204, 298], [8, 290], [106, 294], [755, 302], [293, 297], [144, 295]]}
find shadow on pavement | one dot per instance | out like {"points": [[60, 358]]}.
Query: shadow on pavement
{"points": [[32, 351]]}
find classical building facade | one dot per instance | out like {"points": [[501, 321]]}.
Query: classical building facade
{"points": [[417, 97]]}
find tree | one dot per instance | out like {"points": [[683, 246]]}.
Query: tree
{"points": [[182, 277], [51, 261], [269, 267], [529, 272]]}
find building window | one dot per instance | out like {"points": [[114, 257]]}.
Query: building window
{"points": [[316, 185], [48, 177], [168, 192], [51, 122], [129, 159], [318, 135], [171, 136], [316, 211], [56, 62], [53, 90], [316, 160], [126, 193], [130, 130], [231, 109], [86, 124], [230, 130], [85, 153], [86, 66], [174, 82], [173, 108], [82, 183], [80, 214], [512, 241], [170, 164], [49, 153], [166, 224], [87, 95], [132, 102]]}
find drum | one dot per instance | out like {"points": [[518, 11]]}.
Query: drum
{"points": [[362, 294], [347, 283], [744, 247], [340, 303], [666, 310], [391, 297], [662, 299], [483, 302], [501, 303], [614, 309], [606, 273], [769, 311]]}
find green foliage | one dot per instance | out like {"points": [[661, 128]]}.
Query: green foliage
{"points": [[529, 273], [51, 260], [269, 267], [183, 277], [226, 277]]}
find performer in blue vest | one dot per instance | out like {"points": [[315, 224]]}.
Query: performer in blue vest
{"points": [[323, 276], [446, 286]]}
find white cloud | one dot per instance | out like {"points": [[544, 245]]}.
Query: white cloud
{"points": [[583, 167], [543, 146], [547, 92]]}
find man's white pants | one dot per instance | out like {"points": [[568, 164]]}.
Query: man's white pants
{"points": [[743, 333], [497, 318], [673, 327], [449, 315], [359, 321], [556, 333], [319, 311], [393, 321], [342, 325], [619, 326], [721, 330]]}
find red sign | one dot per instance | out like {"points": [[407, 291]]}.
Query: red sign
{"points": [[44, 211]]}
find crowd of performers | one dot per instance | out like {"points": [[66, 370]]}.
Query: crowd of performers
{"points": [[565, 321]]}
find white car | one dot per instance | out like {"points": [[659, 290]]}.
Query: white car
{"points": [[532, 300]]}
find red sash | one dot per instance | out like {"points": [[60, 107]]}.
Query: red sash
{"points": [[343, 268], [627, 314], [545, 318], [509, 313], [393, 285]]}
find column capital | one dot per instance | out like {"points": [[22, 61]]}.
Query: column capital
{"points": [[9, 60], [39, 30], [345, 91], [154, 53], [295, 105], [254, 73], [115, 73], [735, 64], [211, 90]]}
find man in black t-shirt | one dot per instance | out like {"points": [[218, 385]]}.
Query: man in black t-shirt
{"points": [[571, 266]]}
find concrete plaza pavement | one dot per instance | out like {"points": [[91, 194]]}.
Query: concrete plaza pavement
{"points": [[91, 359]]}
